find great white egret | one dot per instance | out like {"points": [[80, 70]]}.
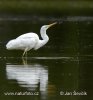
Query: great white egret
{"points": [[29, 41]]}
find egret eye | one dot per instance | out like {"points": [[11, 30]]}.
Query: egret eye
{"points": [[46, 27]]}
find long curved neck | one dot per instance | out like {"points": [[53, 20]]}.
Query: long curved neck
{"points": [[44, 40], [44, 36]]}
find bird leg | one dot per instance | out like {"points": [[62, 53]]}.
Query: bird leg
{"points": [[24, 54]]}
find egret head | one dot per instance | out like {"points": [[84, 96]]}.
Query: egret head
{"points": [[45, 27]]}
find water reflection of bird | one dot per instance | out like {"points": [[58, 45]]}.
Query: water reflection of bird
{"points": [[29, 76], [29, 40]]}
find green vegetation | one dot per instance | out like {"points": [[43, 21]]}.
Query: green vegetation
{"points": [[48, 6]]}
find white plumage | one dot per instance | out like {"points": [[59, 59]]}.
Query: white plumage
{"points": [[29, 41]]}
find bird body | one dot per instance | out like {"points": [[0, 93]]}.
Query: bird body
{"points": [[25, 41], [29, 41]]}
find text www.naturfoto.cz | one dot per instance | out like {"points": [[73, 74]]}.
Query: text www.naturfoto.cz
{"points": [[21, 93]]}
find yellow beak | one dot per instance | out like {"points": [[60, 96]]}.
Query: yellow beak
{"points": [[52, 24]]}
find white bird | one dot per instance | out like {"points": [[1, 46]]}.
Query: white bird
{"points": [[29, 41]]}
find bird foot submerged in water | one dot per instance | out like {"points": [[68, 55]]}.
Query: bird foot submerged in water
{"points": [[24, 60]]}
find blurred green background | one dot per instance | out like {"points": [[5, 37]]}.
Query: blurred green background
{"points": [[63, 7]]}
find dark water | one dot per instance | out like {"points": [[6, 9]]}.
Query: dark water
{"points": [[64, 64]]}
